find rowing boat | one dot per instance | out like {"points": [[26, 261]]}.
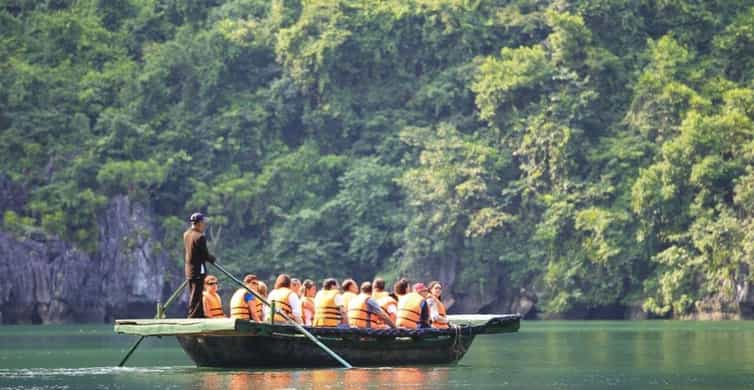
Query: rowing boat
{"points": [[227, 342]]}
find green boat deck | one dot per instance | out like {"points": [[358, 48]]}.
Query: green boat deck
{"points": [[480, 323]]}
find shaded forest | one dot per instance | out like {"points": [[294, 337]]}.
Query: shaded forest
{"points": [[593, 154]]}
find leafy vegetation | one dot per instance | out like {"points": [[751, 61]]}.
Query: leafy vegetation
{"points": [[598, 153]]}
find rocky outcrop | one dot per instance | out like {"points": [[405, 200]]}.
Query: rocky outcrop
{"points": [[46, 280], [486, 288]]}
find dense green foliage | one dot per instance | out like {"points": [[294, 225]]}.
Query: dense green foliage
{"points": [[596, 152]]}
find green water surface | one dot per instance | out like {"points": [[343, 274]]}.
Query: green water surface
{"points": [[544, 355]]}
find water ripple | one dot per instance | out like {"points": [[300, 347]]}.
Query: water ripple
{"points": [[21, 373]]}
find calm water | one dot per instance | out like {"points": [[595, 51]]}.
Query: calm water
{"points": [[549, 355]]}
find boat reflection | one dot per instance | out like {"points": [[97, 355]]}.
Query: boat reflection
{"points": [[357, 378]]}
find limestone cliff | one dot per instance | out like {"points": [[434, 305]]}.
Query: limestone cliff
{"points": [[46, 280]]}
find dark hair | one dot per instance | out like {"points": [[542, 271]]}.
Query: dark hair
{"points": [[366, 288], [283, 280], [378, 284], [401, 286], [348, 283], [329, 283], [306, 286], [432, 284]]}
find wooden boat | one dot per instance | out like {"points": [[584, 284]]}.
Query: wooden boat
{"points": [[229, 342]]}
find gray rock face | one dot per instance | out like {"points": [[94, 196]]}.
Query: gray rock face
{"points": [[50, 281]]}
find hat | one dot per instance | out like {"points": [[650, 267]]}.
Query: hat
{"points": [[196, 217], [419, 287]]}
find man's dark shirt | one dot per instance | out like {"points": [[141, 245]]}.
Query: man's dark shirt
{"points": [[424, 317], [196, 253]]}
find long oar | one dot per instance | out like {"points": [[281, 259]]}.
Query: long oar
{"points": [[160, 312], [292, 322]]}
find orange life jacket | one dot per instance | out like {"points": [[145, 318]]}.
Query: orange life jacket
{"points": [[239, 308], [326, 313], [441, 312], [359, 315], [280, 296], [409, 310], [385, 301], [214, 304], [307, 306]]}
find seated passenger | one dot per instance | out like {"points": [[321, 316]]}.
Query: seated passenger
{"points": [[328, 304], [243, 304], [437, 315], [285, 300], [400, 288], [308, 289], [365, 312], [296, 286], [213, 305], [350, 290], [262, 288], [386, 302], [412, 308]]}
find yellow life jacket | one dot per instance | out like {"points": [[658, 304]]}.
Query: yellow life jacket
{"points": [[326, 313], [441, 312], [359, 315], [385, 300], [307, 306], [280, 297], [409, 310], [214, 303], [239, 308]]}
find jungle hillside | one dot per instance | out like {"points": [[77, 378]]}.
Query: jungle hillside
{"points": [[592, 156]]}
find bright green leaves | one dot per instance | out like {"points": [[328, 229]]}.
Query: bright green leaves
{"points": [[135, 178], [511, 79], [451, 187]]}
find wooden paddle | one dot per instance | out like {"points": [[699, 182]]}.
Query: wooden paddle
{"points": [[160, 313]]}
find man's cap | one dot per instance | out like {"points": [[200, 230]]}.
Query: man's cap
{"points": [[196, 217], [419, 287]]}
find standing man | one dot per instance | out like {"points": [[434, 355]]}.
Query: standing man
{"points": [[196, 255]]}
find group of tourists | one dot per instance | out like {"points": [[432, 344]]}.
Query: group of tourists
{"points": [[346, 305], [334, 305]]}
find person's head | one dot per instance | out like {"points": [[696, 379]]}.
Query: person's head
{"points": [[283, 280], [329, 284], [378, 285], [351, 286], [250, 280], [210, 283], [400, 287], [198, 221], [308, 288], [421, 289], [296, 286], [366, 288], [435, 288], [262, 288]]}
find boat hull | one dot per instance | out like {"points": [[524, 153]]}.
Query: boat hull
{"points": [[296, 351], [227, 342]]}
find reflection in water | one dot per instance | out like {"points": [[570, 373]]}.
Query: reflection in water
{"points": [[551, 355], [357, 378]]}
